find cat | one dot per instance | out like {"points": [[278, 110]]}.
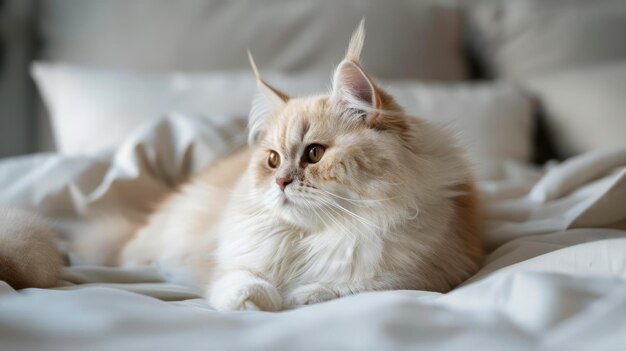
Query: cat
{"points": [[334, 195]]}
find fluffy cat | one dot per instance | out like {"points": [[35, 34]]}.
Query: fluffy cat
{"points": [[336, 194]]}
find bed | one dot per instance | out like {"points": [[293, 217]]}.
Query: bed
{"points": [[554, 278], [127, 130]]}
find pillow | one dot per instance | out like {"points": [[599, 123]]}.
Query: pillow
{"points": [[494, 122], [284, 35], [585, 109], [94, 109], [521, 38]]}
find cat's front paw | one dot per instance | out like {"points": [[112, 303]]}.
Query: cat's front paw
{"points": [[244, 292], [310, 294], [253, 297]]}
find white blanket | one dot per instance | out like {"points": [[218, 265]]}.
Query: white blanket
{"points": [[554, 278]]}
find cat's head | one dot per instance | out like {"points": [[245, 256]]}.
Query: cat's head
{"points": [[326, 156]]}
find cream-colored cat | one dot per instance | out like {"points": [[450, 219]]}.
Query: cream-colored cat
{"points": [[336, 194]]}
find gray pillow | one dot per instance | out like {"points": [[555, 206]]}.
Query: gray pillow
{"points": [[521, 38], [585, 109]]}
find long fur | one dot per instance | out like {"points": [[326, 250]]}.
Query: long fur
{"points": [[391, 204]]}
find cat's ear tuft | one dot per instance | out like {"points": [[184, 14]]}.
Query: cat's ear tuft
{"points": [[351, 85], [273, 95], [355, 47], [267, 101]]}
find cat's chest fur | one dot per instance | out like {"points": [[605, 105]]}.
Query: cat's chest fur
{"points": [[290, 256]]}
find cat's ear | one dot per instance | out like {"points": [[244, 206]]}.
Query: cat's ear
{"points": [[351, 85], [268, 100]]}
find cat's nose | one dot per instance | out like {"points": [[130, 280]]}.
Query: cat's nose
{"points": [[283, 182]]}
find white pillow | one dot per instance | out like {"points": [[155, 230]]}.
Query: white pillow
{"points": [[585, 109], [94, 110]]}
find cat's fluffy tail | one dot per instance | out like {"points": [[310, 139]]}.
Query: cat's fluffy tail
{"points": [[29, 257]]}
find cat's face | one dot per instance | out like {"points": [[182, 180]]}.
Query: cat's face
{"points": [[315, 162], [321, 159]]}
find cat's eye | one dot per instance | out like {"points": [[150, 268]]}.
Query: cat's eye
{"points": [[273, 160], [314, 153]]}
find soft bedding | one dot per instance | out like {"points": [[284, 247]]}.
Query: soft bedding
{"points": [[554, 278]]}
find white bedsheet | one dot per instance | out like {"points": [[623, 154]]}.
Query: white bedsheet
{"points": [[554, 278]]}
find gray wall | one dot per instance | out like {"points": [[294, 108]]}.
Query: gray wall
{"points": [[16, 89]]}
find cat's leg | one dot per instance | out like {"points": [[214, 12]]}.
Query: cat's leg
{"points": [[243, 290], [309, 294]]}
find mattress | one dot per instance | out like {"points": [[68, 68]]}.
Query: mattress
{"points": [[553, 279]]}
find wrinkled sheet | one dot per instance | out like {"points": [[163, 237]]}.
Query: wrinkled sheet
{"points": [[554, 278]]}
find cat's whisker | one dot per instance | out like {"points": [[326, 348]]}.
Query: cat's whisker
{"points": [[314, 210], [359, 200], [332, 218], [338, 210], [338, 206], [363, 202], [343, 228], [360, 219]]}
